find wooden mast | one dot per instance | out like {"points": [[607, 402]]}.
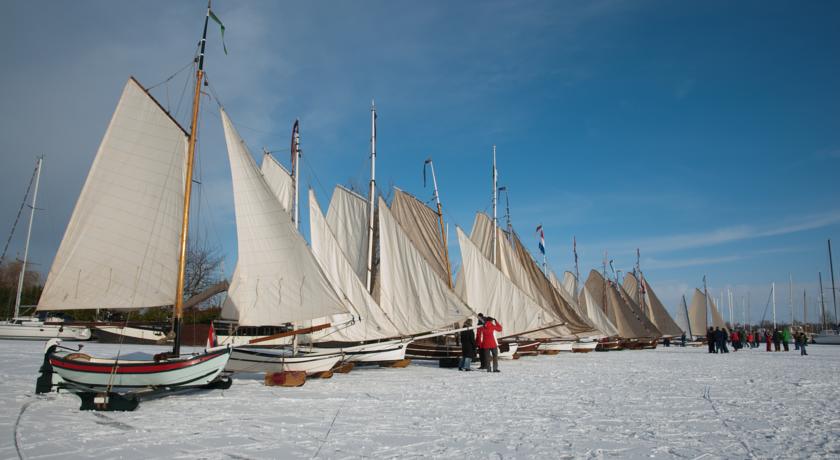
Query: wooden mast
{"points": [[38, 167], [371, 197], [185, 223], [440, 221]]}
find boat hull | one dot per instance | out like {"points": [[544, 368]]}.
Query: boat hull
{"points": [[380, 352], [584, 347], [81, 372], [827, 339], [41, 331], [429, 349], [244, 359]]}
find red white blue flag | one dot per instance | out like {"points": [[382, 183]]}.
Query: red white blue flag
{"points": [[542, 238]]}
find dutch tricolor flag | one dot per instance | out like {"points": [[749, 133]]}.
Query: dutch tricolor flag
{"points": [[542, 238]]}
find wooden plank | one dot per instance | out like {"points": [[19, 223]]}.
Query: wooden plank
{"points": [[285, 379], [289, 333]]}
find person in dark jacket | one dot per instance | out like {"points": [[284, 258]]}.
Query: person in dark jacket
{"points": [[467, 347], [711, 340], [682, 340], [486, 341], [721, 340], [777, 340], [802, 338]]}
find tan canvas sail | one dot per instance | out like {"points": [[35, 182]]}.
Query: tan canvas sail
{"points": [[631, 305], [508, 263], [698, 313], [717, 319], [120, 249], [370, 322], [682, 317], [570, 283], [411, 292], [595, 312], [277, 279], [347, 217], [488, 289], [617, 309], [652, 307], [422, 226]]}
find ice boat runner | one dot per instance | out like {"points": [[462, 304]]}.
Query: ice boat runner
{"points": [[32, 328], [277, 281], [125, 249]]}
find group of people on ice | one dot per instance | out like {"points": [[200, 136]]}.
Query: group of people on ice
{"points": [[717, 339], [484, 339]]}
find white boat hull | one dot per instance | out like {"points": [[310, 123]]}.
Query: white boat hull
{"points": [[827, 338], [584, 347], [244, 359], [35, 330], [84, 373], [512, 348], [369, 353], [557, 346]]}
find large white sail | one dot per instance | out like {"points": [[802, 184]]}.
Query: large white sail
{"points": [[279, 180], [486, 286], [698, 314], [411, 293], [570, 283], [347, 217], [717, 319], [120, 249], [370, 321], [277, 279]]}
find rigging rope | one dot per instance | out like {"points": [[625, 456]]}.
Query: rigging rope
{"points": [[17, 218]]}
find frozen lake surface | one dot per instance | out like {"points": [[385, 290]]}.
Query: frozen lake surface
{"points": [[663, 403]]}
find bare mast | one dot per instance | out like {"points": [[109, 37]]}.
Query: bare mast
{"points": [[833, 290], [495, 199], [443, 232], [38, 167], [185, 222], [371, 195]]}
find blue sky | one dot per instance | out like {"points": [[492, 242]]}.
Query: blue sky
{"points": [[705, 133]]}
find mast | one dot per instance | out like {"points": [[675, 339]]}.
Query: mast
{"points": [[495, 199], [706, 296], [748, 321], [637, 273], [443, 233], [822, 301], [38, 166], [185, 225], [371, 195], [577, 269], [606, 282], [297, 157], [790, 297], [773, 293], [804, 308], [833, 290]]}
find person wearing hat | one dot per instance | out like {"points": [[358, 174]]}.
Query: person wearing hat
{"points": [[487, 342]]}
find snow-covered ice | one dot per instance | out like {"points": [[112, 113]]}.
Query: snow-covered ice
{"points": [[668, 402]]}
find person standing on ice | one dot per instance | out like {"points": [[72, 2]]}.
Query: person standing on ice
{"points": [[721, 338], [482, 359], [711, 340], [786, 338], [777, 340], [682, 339], [802, 339], [767, 339], [487, 342], [467, 347]]}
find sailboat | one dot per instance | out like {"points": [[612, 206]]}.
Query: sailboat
{"points": [[277, 280], [650, 304], [125, 248], [31, 328], [635, 330], [682, 318], [703, 306], [586, 306]]}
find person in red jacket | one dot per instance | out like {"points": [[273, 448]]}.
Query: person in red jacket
{"points": [[486, 342]]}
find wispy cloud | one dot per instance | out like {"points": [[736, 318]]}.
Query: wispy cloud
{"points": [[719, 236], [658, 264]]}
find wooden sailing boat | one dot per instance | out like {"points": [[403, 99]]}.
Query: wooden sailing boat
{"points": [[277, 281], [633, 327], [650, 304], [125, 248], [31, 328]]}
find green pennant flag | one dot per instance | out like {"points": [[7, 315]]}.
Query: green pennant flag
{"points": [[215, 18]]}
